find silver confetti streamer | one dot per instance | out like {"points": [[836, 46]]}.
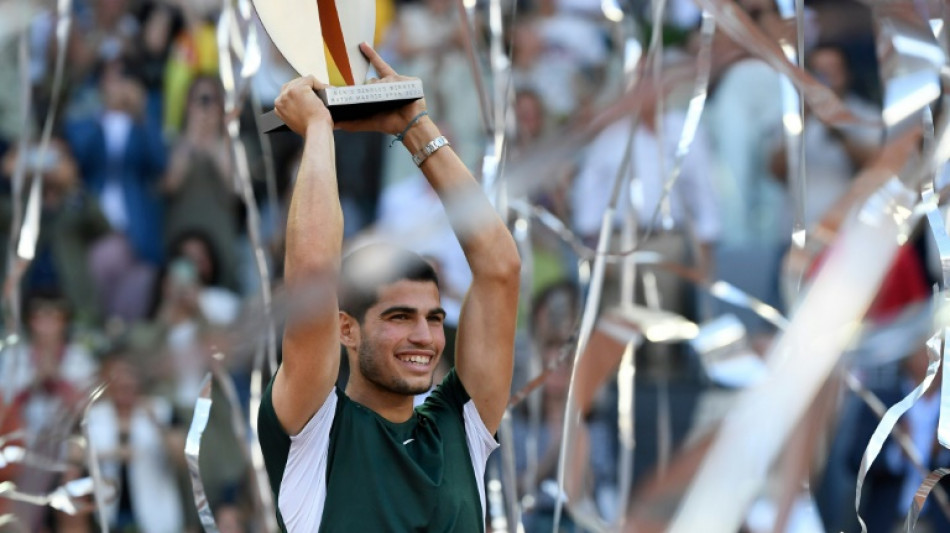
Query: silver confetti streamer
{"points": [[823, 324], [92, 461], [30, 231], [910, 524], [65, 498], [890, 419], [199, 422], [694, 113], [17, 180], [821, 100], [228, 42], [793, 119]]}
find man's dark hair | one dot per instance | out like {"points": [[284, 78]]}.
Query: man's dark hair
{"points": [[368, 269]]}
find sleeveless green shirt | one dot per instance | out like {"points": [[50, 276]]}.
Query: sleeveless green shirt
{"points": [[350, 470]]}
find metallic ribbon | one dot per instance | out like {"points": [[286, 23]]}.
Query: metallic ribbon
{"points": [[917, 504], [800, 362], [737, 24], [19, 173], [793, 119], [466, 12], [890, 419], [92, 461], [901, 437], [231, 30], [14, 454], [199, 422], [65, 498], [939, 232], [508, 474], [30, 231], [12, 522], [827, 315], [580, 509], [694, 112], [522, 235]]}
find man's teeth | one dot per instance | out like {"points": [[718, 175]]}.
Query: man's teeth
{"points": [[421, 359]]}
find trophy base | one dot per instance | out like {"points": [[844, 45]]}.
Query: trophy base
{"points": [[355, 101]]}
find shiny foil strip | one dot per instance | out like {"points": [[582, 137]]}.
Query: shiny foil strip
{"points": [[199, 422], [737, 24], [522, 235], [825, 321], [474, 62], [30, 230], [939, 232], [901, 437], [626, 374], [929, 483], [12, 523], [588, 320], [793, 119], [100, 496], [655, 61], [508, 474], [694, 112], [911, 61], [229, 40], [581, 508], [66, 498], [12, 293], [14, 454], [839, 295], [889, 420]]}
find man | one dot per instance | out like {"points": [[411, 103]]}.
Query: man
{"points": [[362, 459]]}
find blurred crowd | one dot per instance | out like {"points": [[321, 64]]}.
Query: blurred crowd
{"points": [[143, 257]]}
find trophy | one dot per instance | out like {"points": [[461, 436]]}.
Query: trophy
{"points": [[320, 37]]}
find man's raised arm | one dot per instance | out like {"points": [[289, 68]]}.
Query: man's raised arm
{"points": [[486, 333], [311, 347]]}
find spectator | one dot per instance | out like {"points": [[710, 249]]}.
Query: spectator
{"points": [[693, 210], [741, 119], [71, 224], [47, 355], [121, 156], [833, 155], [219, 305], [160, 23], [893, 479], [553, 320], [137, 451], [199, 185], [194, 53]]}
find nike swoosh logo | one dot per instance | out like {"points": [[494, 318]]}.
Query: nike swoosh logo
{"points": [[407, 441]]}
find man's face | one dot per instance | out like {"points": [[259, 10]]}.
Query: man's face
{"points": [[401, 338]]}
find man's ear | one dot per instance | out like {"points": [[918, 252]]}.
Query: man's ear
{"points": [[349, 331]]}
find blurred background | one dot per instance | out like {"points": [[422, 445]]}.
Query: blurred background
{"points": [[146, 258]]}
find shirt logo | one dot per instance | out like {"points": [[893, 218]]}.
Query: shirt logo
{"points": [[407, 441]]}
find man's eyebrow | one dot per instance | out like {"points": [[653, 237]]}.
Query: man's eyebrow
{"points": [[411, 310], [398, 309]]}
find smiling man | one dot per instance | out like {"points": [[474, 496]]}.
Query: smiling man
{"points": [[363, 459]]}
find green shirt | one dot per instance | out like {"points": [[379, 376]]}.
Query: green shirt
{"points": [[350, 470]]}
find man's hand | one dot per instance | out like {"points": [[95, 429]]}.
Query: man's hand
{"points": [[393, 121], [299, 106]]}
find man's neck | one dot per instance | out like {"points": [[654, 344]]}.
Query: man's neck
{"points": [[396, 408]]}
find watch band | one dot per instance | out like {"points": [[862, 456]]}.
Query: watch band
{"points": [[419, 157]]}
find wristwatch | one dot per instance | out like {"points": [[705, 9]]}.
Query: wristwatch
{"points": [[419, 157]]}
